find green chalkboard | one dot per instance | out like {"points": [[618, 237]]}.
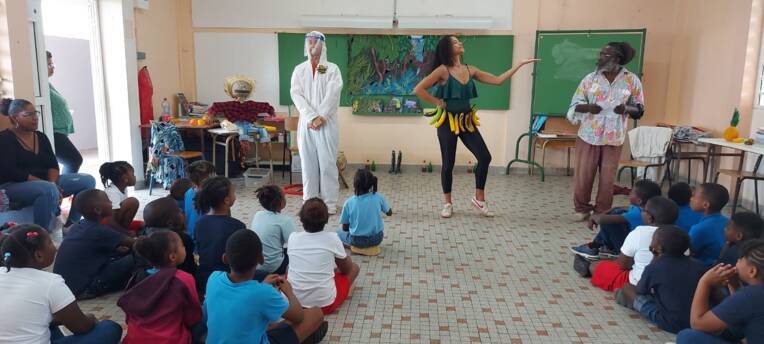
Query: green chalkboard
{"points": [[489, 53], [568, 56]]}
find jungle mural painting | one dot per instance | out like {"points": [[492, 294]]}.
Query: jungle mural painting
{"points": [[383, 70]]}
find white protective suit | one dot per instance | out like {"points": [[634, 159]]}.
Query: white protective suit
{"points": [[318, 95]]}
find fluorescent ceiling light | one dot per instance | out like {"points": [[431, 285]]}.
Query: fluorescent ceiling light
{"points": [[359, 22], [444, 22]]}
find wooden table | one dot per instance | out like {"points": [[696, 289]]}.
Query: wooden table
{"points": [[714, 143]]}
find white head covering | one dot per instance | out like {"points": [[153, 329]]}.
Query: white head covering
{"points": [[321, 43]]}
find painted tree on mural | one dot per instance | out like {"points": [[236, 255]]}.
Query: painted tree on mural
{"points": [[388, 64]]}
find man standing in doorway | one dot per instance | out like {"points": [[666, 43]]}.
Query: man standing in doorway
{"points": [[315, 90]]}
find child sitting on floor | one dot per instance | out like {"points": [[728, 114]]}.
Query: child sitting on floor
{"points": [[165, 306], [197, 172], [163, 213], [361, 219], [273, 229], [215, 198], [664, 293], [626, 270], [707, 236], [178, 191], [313, 255], [681, 194], [243, 310], [742, 226], [34, 299], [94, 259], [739, 315], [617, 223], [116, 177]]}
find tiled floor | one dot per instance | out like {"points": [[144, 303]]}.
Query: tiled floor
{"points": [[506, 279]]}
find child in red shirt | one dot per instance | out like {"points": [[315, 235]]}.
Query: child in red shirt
{"points": [[165, 306]]}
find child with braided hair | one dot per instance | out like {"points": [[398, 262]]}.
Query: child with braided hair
{"points": [[740, 315], [116, 177], [40, 300], [361, 219]]}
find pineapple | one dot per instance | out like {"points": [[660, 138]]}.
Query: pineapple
{"points": [[731, 133]]}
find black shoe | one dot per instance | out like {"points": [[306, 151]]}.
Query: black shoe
{"points": [[318, 336], [581, 265]]}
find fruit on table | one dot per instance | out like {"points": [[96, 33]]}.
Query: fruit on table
{"points": [[738, 140], [731, 133], [749, 141]]}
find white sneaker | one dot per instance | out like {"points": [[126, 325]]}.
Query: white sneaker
{"points": [[448, 210], [481, 207], [581, 217]]}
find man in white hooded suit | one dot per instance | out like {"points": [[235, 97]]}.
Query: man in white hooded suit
{"points": [[315, 90]]}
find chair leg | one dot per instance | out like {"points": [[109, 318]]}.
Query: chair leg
{"points": [[567, 168], [737, 194], [633, 172], [151, 183], [756, 194], [716, 177]]}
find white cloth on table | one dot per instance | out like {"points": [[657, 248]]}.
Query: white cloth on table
{"points": [[649, 144]]}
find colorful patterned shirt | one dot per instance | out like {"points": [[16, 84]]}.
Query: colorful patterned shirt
{"points": [[607, 127]]}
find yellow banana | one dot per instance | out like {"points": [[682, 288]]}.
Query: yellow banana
{"points": [[441, 119], [475, 119], [468, 123], [456, 126], [436, 117], [462, 127], [451, 121]]}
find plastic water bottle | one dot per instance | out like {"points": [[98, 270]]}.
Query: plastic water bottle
{"points": [[165, 107]]}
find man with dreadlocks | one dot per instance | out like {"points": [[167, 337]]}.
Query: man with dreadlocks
{"points": [[315, 90], [601, 104]]}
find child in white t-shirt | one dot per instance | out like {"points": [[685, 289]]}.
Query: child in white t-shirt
{"points": [[313, 255], [38, 298], [658, 211], [116, 178]]}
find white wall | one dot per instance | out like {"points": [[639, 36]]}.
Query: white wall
{"points": [[287, 13], [64, 18], [256, 57], [73, 79]]}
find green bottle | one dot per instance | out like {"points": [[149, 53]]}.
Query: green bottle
{"points": [[373, 166], [429, 167]]}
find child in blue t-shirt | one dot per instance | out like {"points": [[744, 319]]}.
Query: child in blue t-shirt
{"points": [[616, 224], [681, 194], [741, 315], [707, 236], [215, 199], [273, 228], [241, 310], [361, 218], [197, 171], [742, 226]]}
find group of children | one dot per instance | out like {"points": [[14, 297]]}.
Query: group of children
{"points": [[169, 298], [680, 263]]}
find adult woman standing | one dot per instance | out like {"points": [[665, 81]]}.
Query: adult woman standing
{"points": [[601, 104], [29, 169], [456, 83], [63, 125]]}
